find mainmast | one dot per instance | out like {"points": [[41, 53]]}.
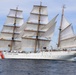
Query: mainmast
{"points": [[13, 35], [61, 25], [38, 27]]}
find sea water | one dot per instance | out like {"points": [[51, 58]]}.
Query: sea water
{"points": [[37, 67]]}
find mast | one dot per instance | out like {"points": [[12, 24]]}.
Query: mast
{"points": [[34, 31], [37, 33], [14, 29], [61, 25]]}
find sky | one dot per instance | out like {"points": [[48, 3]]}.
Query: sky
{"points": [[54, 8]]}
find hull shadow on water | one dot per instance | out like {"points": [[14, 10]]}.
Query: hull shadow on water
{"points": [[37, 67]]}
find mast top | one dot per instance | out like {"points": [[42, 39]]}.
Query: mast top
{"points": [[64, 6], [63, 9], [17, 7], [40, 2]]}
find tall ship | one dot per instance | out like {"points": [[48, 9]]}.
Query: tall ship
{"points": [[31, 40]]}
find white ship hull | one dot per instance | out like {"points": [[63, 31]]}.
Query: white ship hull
{"points": [[53, 55]]}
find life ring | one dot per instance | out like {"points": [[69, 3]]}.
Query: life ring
{"points": [[1, 55]]}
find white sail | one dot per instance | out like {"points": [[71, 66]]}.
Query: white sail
{"points": [[10, 21], [23, 27], [32, 26], [34, 19], [30, 29], [43, 19], [32, 23], [17, 45], [68, 43], [34, 16], [5, 44], [14, 14], [32, 33], [50, 23], [29, 43], [67, 33], [49, 33], [43, 10], [8, 35], [67, 37], [43, 44], [65, 23], [9, 31], [29, 33], [13, 11]]}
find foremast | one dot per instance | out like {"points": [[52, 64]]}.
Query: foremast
{"points": [[9, 37], [13, 35]]}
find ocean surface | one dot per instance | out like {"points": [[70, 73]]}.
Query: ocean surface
{"points": [[37, 67]]}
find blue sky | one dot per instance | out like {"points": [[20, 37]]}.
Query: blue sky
{"points": [[54, 7]]}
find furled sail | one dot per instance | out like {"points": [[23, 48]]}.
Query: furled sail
{"points": [[10, 30]]}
